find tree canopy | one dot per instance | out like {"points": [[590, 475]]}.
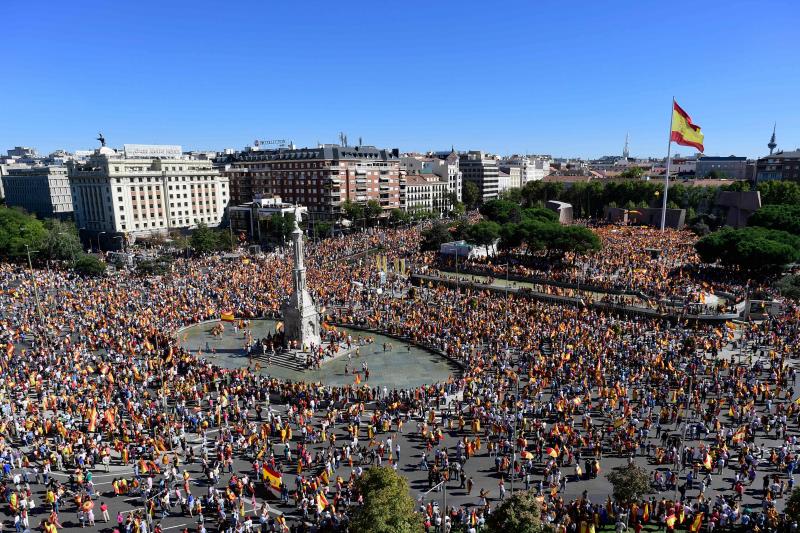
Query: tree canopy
{"points": [[89, 265], [388, 506], [18, 229], [503, 211], [483, 233], [632, 173], [470, 195], [352, 210], [751, 248], [372, 210], [62, 241], [538, 228], [779, 192], [521, 513], [435, 236], [777, 216], [629, 482], [205, 240]]}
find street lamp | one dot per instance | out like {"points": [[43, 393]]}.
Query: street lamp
{"points": [[35, 287]]}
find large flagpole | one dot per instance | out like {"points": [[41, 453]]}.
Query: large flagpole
{"points": [[669, 160]]}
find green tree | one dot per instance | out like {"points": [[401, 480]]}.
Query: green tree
{"points": [[398, 216], [511, 236], [501, 211], [513, 195], [322, 229], [372, 211], [458, 209], [751, 248], [632, 173], [89, 265], [434, 237], [62, 241], [224, 241], [629, 482], [578, 239], [203, 239], [779, 192], [278, 228], [521, 513], [18, 229], [352, 210], [388, 506], [458, 230], [483, 233], [779, 216], [470, 195]]}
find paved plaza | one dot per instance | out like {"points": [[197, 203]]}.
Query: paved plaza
{"points": [[392, 362]]}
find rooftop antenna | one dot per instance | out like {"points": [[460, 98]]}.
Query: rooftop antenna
{"points": [[359, 141]]}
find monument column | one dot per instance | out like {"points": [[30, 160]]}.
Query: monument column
{"points": [[300, 317]]}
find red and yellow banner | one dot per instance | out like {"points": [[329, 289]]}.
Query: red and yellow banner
{"points": [[683, 131]]}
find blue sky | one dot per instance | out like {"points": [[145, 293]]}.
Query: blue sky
{"points": [[565, 78]]}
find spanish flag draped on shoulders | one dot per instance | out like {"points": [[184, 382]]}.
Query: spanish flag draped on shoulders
{"points": [[684, 132], [694, 527]]}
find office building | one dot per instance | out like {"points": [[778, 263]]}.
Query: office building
{"points": [[779, 166], [731, 167], [482, 170], [321, 178], [145, 190], [42, 190]]}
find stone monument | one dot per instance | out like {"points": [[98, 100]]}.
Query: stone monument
{"points": [[300, 317]]}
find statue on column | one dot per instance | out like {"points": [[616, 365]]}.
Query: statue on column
{"points": [[300, 316]]}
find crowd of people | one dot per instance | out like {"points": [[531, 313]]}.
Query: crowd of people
{"points": [[634, 260], [94, 379]]}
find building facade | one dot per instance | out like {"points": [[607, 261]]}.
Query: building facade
{"points": [[427, 193], [143, 193], [530, 168], [480, 169], [731, 167], [43, 190], [446, 166], [779, 166], [247, 218], [321, 178]]}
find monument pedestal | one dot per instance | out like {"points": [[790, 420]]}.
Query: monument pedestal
{"points": [[301, 320]]}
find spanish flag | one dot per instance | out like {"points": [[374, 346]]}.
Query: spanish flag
{"points": [[683, 131], [271, 477], [322, 502], [92, 419], [227, 316], [694, 527]]}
